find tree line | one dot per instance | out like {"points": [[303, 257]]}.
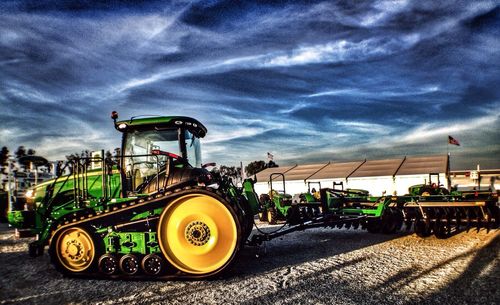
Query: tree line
{"points": [[251, 169], [19, 154], [22, 152], [233, 172]]}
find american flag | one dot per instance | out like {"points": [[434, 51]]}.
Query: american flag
{"points": [[452, 140], [270, 156]]}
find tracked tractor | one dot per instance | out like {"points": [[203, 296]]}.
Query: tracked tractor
{"points": [[154, 211]]}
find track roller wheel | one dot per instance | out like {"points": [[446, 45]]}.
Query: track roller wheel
{"points": [[152, 264], [199, 233], [272, 215], [74, 250], [129, 264], [422, 229], [108, 264]]}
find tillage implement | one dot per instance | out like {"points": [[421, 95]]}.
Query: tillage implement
{"points": [[428, 209], [154, 211]]}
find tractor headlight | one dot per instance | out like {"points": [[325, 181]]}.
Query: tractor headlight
{"points": [[29, 194]]}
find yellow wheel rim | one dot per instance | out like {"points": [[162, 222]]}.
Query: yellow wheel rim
{"points": [[197, 234], [75, 249], [269, 216]]}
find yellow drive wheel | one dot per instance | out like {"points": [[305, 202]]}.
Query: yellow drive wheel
{"points": [[75, 249], [198, 234]]}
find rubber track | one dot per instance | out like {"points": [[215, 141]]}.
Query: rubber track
{"points": [[108, 218]]}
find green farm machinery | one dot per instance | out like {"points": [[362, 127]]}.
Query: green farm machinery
{"points": [[154, 211], [427, 209]]}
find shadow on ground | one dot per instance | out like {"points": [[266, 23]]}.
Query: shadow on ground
{"points": [[304, 246]]}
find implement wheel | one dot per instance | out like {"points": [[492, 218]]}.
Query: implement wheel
{"points": [[374, 225], [272, 215], [263, 215], [442, 230], [199, 234], [422, 229], [74, 250]]}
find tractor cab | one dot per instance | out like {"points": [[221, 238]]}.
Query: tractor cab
{"points": [[432, 188], [157, 149]]}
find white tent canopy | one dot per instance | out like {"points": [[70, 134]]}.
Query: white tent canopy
{"points": [[386, 176]]}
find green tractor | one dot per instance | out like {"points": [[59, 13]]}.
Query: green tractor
{"points": [[153, 212], [280, 206], [429, 189], [274, 206]]}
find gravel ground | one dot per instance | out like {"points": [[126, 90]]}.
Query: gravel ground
{"points": [[318, 266]]}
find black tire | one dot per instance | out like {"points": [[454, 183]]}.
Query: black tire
{"points": [[422, 229], [426, 191], [374, 226], [392, 221], [272, 215], [265, 201], [441, 230], [263, 215], [264, 198]]}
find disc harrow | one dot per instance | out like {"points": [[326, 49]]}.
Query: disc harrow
{"points": [[441, 215]]}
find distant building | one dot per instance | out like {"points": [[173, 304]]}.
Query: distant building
{"points": [[485, 179], [387, 176]]}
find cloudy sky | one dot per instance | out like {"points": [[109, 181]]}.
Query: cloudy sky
{"points": [[307, 81]]}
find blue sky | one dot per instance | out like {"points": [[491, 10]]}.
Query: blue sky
{"points": [[307, 81]]}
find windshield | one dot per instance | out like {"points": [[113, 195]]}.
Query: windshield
{"points": [[139, 160], [193, 149], [140, 144]]}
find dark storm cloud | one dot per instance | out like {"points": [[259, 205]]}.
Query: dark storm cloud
{"points": [[307, 80], [75, 6]]}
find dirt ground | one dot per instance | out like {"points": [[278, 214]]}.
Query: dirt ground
{"points": [[318, 266]]}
